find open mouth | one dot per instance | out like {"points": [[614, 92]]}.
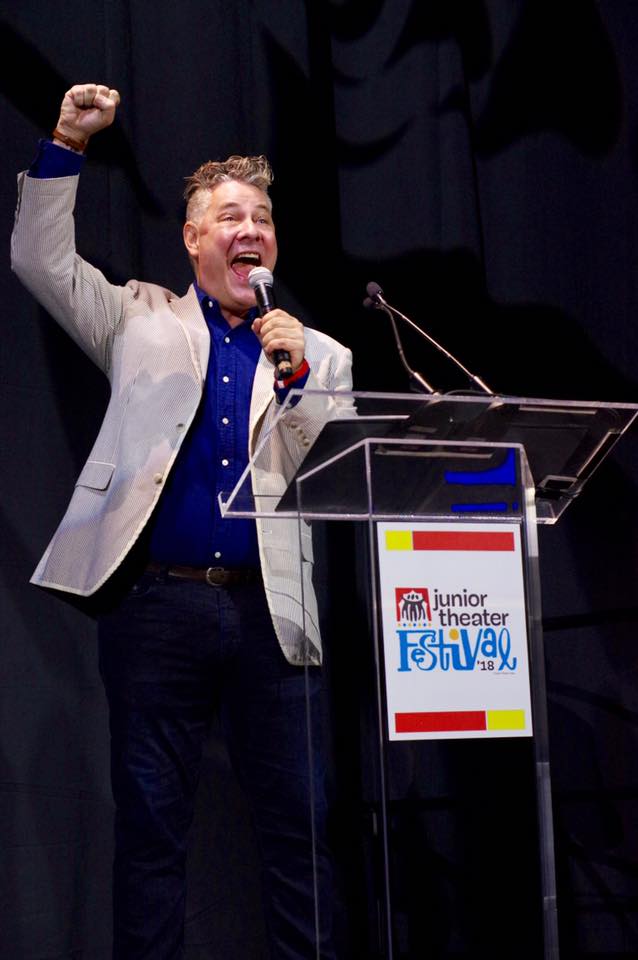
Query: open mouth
{"points": [[243, 263]]}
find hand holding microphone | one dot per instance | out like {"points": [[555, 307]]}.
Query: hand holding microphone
{"points": [[281, 335]]}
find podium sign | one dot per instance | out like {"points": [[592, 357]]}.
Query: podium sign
{"points": [[452, 604]]}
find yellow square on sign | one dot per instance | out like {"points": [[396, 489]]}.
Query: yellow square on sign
{"points": [[398, 539], [505, 719]]}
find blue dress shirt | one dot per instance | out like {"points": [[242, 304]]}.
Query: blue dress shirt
{"points": [[187, 525]]}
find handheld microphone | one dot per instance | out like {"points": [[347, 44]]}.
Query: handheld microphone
{"points": [[261, 281]]}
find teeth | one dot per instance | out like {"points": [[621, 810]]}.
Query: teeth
{"points": [[247, 258]]}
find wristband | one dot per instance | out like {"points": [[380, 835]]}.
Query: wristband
{"points": [[302, 371], [78, 145]]}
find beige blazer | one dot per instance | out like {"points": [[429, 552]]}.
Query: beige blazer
{"points": [[153, 346]]}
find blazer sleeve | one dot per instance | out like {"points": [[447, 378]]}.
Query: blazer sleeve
{"points": [[285, 436], [331, 374], [43, 256]]}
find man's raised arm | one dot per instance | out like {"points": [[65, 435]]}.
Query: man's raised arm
{"points": [[43, 251]]}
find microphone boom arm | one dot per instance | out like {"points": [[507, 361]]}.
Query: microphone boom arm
{"points": [[413, 374], [378, 301]]}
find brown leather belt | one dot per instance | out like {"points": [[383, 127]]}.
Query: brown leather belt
{"points": [[213, 576]]}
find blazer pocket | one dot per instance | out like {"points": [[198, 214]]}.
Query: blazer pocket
{"points": [[96, 475]]}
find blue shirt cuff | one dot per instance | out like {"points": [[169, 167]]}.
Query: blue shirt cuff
{"points": [[53, 161]]}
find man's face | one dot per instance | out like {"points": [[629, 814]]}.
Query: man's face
{"points": [[235, 234]]}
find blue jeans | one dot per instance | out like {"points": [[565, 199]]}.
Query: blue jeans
{"points": [[171, 653]]}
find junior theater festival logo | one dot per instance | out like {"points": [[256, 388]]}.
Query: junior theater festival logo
{"points": [[451, 632]]}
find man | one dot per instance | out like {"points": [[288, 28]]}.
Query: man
{"points": [[219, 617]]}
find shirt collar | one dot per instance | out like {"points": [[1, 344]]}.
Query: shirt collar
{"points": [[211, 309]]}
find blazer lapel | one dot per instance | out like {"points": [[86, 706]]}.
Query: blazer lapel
{"points": [[189, 315]]}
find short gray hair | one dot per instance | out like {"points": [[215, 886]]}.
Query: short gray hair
{"points": [[255, 171]]}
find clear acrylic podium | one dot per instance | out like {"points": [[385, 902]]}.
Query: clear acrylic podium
{"points": [[452, 462]]}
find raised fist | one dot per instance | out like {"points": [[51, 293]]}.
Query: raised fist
{"points": [[87, 108]]}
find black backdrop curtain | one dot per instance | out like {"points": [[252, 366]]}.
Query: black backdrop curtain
{"points": [[477, 158]]}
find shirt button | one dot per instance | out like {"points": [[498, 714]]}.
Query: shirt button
{"points": [[217, 554], [158, 477], [224, 463], [210, 304], [180, 426], [226, 379], [225, 421], [226, 339]]}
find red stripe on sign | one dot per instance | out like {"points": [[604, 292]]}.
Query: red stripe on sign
{"points": [[440, 722], [462, 540]]}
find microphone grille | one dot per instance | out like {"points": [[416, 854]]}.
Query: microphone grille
{"points": [[260, 275]]}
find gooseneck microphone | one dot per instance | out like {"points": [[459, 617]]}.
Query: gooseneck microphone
{"points": [[376, 301], [261, 281]]}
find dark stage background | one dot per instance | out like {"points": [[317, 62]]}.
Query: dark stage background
{"points": [[477, 158]]}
